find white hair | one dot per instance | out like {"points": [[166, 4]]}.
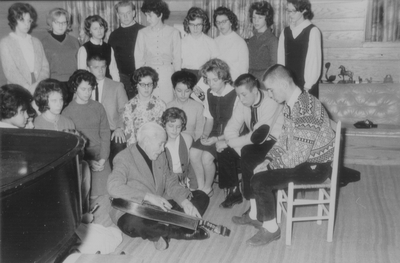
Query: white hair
{"points": [[149, 130]]}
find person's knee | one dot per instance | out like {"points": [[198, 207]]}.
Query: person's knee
{"points": [[207, 159]]}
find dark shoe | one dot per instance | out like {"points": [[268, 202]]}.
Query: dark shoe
{"points": [[161, 243], [234, 197], [263, 237], [185, 234], [246, 220]]}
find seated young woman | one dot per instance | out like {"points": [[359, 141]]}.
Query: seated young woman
{"points": [[218, 106], [49, 97], [183, 83], [90, 119], [177, 150]]}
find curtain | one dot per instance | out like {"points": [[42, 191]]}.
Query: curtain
{"points": [[384, 23], [80, 10], [241, 9]]}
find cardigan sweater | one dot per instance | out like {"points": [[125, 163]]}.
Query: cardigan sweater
{"points": [[16, 69], [62, 56]]}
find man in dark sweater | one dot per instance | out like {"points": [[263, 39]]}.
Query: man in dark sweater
{"points": [[123, 41]]}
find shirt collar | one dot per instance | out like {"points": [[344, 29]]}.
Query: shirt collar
{"points": [[259, 99], [19, 37], [295, 95], [302, 25], [228, 88]]}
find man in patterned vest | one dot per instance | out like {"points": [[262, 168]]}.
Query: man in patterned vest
{"points": [[302, 154]]}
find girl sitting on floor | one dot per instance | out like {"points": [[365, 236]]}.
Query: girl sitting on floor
{"points": [[49, 98]]}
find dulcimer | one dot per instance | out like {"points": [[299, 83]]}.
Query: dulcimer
{"points": [[152, 212]]}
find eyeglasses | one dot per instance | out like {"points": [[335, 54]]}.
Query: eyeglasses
{"points": [[195, 26], [60, 23], [222, 22], [146, 85]]}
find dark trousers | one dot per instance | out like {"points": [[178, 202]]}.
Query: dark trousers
{"points": [[265, 183], [228, 164], [135, 226], [126, 80], [252, 155], [115, 148]]}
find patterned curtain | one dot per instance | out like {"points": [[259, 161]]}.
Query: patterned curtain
{"points": [[385, 21], [241, 9], [80, 10]]}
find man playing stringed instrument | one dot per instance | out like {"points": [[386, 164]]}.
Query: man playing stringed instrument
{"points": [[141, 174]]}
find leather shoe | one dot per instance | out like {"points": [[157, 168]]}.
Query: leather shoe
{"points": [[263, 237], [234, 197], [199, 234], [161, 243], [246, 220]]}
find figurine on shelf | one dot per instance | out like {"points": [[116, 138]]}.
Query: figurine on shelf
{"points": [[369, 80], [343, 73], [331, 78], [359, 80]]}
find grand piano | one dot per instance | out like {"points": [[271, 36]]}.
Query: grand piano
{"points": [[40, 194]]}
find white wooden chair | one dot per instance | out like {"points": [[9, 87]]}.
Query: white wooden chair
{"points": [[326, 201]]}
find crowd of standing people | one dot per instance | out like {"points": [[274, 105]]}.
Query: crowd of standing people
{"points": [[162, 115]]}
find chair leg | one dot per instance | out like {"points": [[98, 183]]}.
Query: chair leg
{"points": [[289, 214], [320, 209], [278, 206], [331, 217]]}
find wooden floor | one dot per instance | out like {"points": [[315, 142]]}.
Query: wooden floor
{"points": [[367, 230]]}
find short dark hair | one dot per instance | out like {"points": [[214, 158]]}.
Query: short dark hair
{"points": [[262, 8], [16, 12], [280, 72], [97, 57], [81, 75], [124, 3], [95, 18], [302, 5], [145, 72], [248, 80], [172, 114], [218, 67], [13, 96], [229, 14], [158, 7], [192, 14], [185, 77], [43, 90]]}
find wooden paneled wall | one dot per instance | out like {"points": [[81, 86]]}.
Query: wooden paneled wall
{"points": [[343, 25]]}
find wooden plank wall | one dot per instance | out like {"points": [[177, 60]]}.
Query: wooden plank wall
{"points": [[343, 24]]}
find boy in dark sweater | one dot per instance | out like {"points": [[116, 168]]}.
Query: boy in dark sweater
{"points": [[123, 41]]}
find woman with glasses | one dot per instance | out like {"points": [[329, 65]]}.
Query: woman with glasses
{"points": [[96, 28], [300, 46], [22, 56], [159, 46], [61, 48], [144, 107], [233, 49], [263, 45], [218, 105], [197, 47]]}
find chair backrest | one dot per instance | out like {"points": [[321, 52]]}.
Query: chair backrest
{"points": [[335, 163]]}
